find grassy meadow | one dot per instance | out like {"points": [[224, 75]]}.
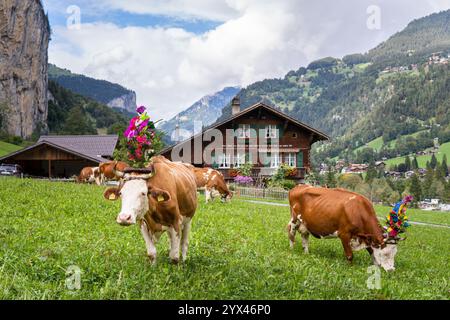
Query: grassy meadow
{"points": [[7, 148], [238, 250]]}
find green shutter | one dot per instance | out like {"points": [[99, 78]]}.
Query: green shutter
{"points": [[300, 159]]}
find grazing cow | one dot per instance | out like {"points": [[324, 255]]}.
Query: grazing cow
{"points": [[212, 180], [161, 197], [89, 175], [107, 170], [327, 213]]}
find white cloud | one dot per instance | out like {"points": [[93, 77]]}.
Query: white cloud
{"points": [[170, 68]]}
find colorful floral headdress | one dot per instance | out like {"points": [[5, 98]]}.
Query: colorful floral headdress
{"points": [[397, 221], [140, 135]]}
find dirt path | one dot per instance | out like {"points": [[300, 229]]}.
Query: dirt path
{"points": [[435, 225]]}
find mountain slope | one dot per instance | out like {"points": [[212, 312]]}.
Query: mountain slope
{"points": [[111, 94], [418, 40], [206, 110], [70, 113], [357, 99]]}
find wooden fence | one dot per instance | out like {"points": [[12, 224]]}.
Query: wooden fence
{"points": [[262, 193]]}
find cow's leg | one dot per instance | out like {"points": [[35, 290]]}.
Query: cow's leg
{"points": [[174, 245], [185, 237], [292, 229], [151, 249], [305, 240], [345, 239], [207, 194]]}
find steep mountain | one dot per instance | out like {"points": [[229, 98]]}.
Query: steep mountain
{"points": [[24, 34], [111, 94], [365, 96], [206, 110]]}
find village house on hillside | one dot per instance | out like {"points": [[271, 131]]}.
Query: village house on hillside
{"points": [[63, 156], [284, 140]]}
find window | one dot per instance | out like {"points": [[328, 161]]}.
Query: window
{"points": [[275, 160], [294, 135], [224, 160], [271, 131], [291, 159], [239, 159], [244, 131]]}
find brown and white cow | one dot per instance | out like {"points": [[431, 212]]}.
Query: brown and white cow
{"points": [[108, 170], [162, 197], [89, 175], [212, 181], [330, 213]]}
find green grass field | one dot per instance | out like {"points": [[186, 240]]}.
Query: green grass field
{"points": [[238, 250], [422, 160], [6, 148]]}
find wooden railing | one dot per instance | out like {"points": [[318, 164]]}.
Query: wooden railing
{"points": [[261, 193]]}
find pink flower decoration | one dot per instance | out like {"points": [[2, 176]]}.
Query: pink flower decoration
{"points": [[140, 109]]}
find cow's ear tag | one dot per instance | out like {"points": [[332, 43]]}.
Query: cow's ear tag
{"points": [[160, 198], [112, 196]]}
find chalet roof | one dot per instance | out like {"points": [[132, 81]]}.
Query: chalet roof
{"points": [[91, 147], [320, 135]]}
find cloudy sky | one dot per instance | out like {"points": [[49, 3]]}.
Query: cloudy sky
{"points": [[173, 52]]}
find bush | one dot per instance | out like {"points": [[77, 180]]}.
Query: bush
{"points": [[246, 169]]}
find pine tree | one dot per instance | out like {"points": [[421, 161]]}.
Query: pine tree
{"points": [[415, 188], [414, 164], [444, 166], [407, 163], [433, 162], [426, 185]]}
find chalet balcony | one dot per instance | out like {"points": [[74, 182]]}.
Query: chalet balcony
{"points": [[261, 172]]}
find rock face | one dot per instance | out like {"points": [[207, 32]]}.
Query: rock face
{"points": [[206, 110], [24, 37], [126, 102]]}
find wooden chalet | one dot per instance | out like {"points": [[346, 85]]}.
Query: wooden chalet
{"points": [[63, 156], [259, 130]]}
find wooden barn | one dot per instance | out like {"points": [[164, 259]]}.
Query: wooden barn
{"points": [[63, 156], [262, 134]]}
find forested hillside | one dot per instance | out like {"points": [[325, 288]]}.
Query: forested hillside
{"points": [[105, 92], [399, 88], [70, 113]]}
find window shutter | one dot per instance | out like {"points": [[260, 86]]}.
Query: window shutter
{"points": [[300, 159]]}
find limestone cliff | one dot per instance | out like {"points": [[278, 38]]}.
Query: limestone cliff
{"points": [[126, 102], [24, 37]]}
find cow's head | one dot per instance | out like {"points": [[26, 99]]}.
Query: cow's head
{"points": [[136, 194], [384, 255], [226, 197]]}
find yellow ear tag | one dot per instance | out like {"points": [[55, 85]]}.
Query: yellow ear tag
{"points": [[112, 196], [160, 198]]}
